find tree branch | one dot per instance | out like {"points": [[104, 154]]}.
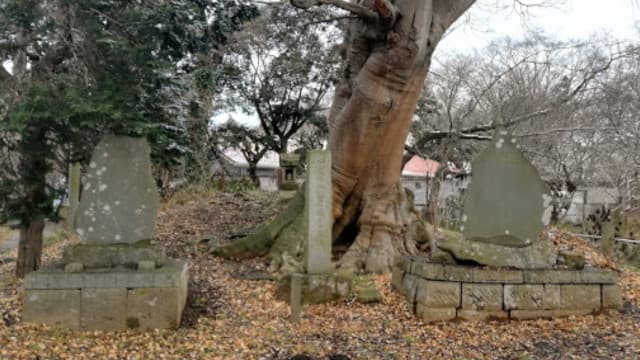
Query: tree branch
{"points": [[356, 9]]}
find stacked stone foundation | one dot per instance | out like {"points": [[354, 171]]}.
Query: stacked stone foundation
{"points": [[107, 299], [437, 292]]}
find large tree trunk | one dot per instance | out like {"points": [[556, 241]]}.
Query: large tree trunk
{"points": [[33, 171], [388, 58], [30, 248]]}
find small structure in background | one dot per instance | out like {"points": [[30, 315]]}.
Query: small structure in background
{"points": [[232, 165], [288, 173], [419, 175], [117, 277], [590, 201]]}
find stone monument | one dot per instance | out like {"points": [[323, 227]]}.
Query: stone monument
{"points": [[317, 283], [501, 265], [318, 212], [506, 207], [117, 277]]}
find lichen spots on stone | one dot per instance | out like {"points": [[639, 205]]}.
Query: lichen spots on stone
{"points": [[507, 232], [103, 187], [152, 302], [93, 165], [105, 154], [87, 186]]}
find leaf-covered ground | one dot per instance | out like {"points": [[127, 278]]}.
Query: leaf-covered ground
{"points": [[228, 317]]}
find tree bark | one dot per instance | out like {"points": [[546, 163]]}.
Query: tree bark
{"points": [[384, 73], [30, 248], [33, 171], [253, 175]]}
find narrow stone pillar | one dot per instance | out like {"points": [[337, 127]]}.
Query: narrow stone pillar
{"points": [[296, 297], [318, 212]]}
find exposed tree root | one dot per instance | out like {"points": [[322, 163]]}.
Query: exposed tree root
{"points": [[389, 226]]}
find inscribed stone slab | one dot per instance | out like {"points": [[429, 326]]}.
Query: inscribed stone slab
{"points": [[318, 212], [119, 200], [507, 201]]}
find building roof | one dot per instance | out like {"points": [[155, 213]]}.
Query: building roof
{"points": [[271, 160], [418, 166]]}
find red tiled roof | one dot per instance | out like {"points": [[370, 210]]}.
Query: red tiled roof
{"points": [[420, 166]]}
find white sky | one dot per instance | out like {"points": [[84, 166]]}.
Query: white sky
{"points": [[568, 19]]}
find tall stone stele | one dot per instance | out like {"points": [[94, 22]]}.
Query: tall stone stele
{"points": [[506, 208], [117, 277]]}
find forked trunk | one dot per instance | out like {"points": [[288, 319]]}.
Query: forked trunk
{"points": [[30, 248]]}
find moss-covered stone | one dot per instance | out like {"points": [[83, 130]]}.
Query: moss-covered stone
{"points": [[572, 260], [368, 295], [315, 289]]}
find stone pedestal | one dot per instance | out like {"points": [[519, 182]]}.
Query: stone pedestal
{"points": [[437, 292], [107, 299]]}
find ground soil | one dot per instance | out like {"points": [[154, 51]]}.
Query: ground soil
{"points": [[229, 317]]}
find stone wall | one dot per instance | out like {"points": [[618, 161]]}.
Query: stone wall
{"points": [[437, 292]]}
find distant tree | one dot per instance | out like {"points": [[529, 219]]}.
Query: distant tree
{"points": [[281, 67], [249, 141], [542, 90]]}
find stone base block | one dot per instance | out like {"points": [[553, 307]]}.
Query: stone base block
{"points": [[108, 256], [53, 307], [546, 314], [482, 296], [396, 277], [429, 315], [108, 300], [611, 297], [432, 290], [479, 315], [316, 288]]}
